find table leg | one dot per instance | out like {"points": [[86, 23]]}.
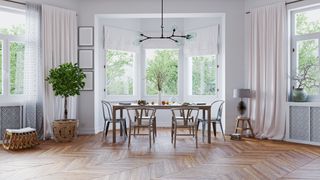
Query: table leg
{"points": [[114, 125], [209, 125]]}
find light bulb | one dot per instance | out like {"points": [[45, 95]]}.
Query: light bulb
{"points": [[191, 36], [174, 27], [137, 42]]}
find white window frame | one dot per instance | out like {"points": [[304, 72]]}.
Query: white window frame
{"points": [[293, 65], [189, 77], [132, 97], [6, 97], [144, 75]]}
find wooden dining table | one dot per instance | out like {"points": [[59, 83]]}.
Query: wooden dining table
{"points": [[206, 108]]}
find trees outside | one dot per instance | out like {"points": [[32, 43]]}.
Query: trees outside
{"points": [[308, 49], [203, 75], [119, 72], [162, 62]]}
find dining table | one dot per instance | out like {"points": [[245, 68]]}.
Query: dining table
{"points": [[206, 108]]}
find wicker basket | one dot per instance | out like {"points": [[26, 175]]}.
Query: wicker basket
{"points": [[65, 130], [16, 139]]}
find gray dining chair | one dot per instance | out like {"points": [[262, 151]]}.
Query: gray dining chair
{"points": [[107, 117], [217, 107], [184, 118]]}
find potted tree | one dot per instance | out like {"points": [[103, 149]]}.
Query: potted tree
{"points": [[66, 80], [304, 79]]}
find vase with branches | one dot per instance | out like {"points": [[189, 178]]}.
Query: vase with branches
{"points": [[304, 80]]}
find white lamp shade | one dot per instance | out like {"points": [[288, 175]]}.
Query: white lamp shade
{"points": [[241, 93]]}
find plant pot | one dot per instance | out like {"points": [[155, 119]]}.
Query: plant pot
{"points": [[299, 95], [65, 130]]}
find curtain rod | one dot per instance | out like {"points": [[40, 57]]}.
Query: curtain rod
{"points": [[21, 3], [287, 3]]}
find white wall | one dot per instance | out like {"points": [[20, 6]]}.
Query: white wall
{"points": [[234, 55]]}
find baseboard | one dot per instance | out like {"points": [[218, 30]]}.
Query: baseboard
{"points": [[86, 131]]}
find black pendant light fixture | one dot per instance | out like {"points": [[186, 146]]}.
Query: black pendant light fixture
{"points": [[172, 37]]}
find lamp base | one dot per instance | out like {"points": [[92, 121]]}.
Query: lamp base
{"points": [[242, 108]]}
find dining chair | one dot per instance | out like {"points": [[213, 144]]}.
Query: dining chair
{"points": [[217, 107], [138, 120], [145, 116], [184, 118], [107, 117]]}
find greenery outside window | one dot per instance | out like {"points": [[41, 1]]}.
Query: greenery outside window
{"points": [[119, 72], [12, 30], [305, 37], [166, 60], [203, 75]]}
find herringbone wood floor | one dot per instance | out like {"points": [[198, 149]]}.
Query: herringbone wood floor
{"points": [[90, 158]]}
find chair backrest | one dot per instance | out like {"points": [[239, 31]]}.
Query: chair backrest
{"points": [[106, 110], [217, 107], [185, 114], [137, 113]]}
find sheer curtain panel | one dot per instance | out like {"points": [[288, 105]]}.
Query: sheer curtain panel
{"points": [[32, 75], [59, 38], [267, 71]]}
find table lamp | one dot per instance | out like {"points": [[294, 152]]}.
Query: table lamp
{"points": [[242, 93]]}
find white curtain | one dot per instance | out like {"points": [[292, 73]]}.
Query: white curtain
{"points": [[59, 38], [204, 43], [31, 72], [267, 71], [120, 39]]}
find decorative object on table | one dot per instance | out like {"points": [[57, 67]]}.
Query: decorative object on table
{"points": [[303, 80], [142, 102], [158, 77], [16, 139], [89, 81], [86, 58], [172, 36], [85, 36], [241, 93], [66, 80], [163, 102]]}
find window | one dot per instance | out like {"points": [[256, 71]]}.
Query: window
{"points": [[165, 62], [203, 75], [305, 47], [119, 72], [12, 30]]}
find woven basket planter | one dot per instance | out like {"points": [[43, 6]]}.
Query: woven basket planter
{"points": [[65, 130]]}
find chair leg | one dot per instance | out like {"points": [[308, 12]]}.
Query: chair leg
{"points": [[125, 127], [129, 135], [203, 129], [172, 132], [196, 135], [175, 136], [107, 128], [149, 136], [121, 129], [155, 126], [104, 131], [214, 129], [224, 138]]}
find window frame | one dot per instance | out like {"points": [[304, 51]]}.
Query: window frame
{"points": [[294, 39], [135, 75], [189, 77], [144, 73]]}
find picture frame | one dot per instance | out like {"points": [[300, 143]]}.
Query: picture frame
{"points": [[89, 81], [86, 58], [85, 36]]}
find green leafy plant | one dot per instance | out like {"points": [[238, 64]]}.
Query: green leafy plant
{"points": [[66, 80]]}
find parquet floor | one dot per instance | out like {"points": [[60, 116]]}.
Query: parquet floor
{"points": [[90, 158]]}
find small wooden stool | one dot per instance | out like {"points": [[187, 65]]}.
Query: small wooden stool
{"points": [[242, 128], [15, 139]]}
